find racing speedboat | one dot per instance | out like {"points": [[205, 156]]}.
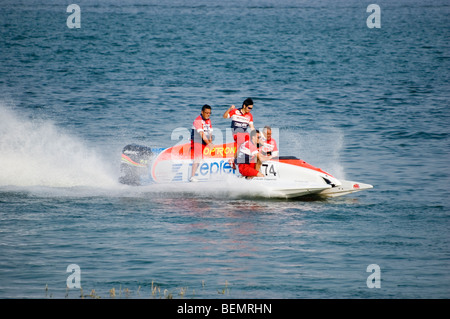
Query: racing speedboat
{"points": [[284, 177]]}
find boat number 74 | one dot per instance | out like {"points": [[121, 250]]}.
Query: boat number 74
{"points": [[268, 169]]}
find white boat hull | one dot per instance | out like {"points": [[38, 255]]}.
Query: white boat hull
{"points": [[286, 177]]}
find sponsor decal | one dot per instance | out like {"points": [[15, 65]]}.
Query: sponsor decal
{"points": [[219, 151], [214, 168]]}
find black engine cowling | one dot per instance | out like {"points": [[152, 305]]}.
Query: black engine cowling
{"points": [[134, 163]]}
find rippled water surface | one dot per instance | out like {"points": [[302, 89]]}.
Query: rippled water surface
{"points": [[364, 104]]}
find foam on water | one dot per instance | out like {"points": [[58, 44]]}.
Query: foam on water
{"points": [[229, 187], [38, 153]]}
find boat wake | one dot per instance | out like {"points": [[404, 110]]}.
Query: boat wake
{"points": [[35, 152]]}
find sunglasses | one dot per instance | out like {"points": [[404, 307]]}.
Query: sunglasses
{"points": [[249, 107]]}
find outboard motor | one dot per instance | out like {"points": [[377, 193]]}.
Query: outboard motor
{"points": [[134, 163]]}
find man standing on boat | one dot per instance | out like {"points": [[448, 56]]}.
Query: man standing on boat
{"points": [[201, 137], [249, 158], [241, 120]]}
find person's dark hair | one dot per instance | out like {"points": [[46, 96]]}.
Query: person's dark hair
{"points": [[253, 133], [206, 106], [247, 102]]}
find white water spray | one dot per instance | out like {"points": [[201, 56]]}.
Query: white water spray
{"points": [[319, 149], [38, 153]]}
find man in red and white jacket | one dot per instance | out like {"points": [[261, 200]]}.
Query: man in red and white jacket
{"points": [[201, 137], [268, 144], [249, 158], [241, 121]]}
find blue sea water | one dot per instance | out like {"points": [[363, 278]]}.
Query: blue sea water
{"points": [[366, 104]]}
